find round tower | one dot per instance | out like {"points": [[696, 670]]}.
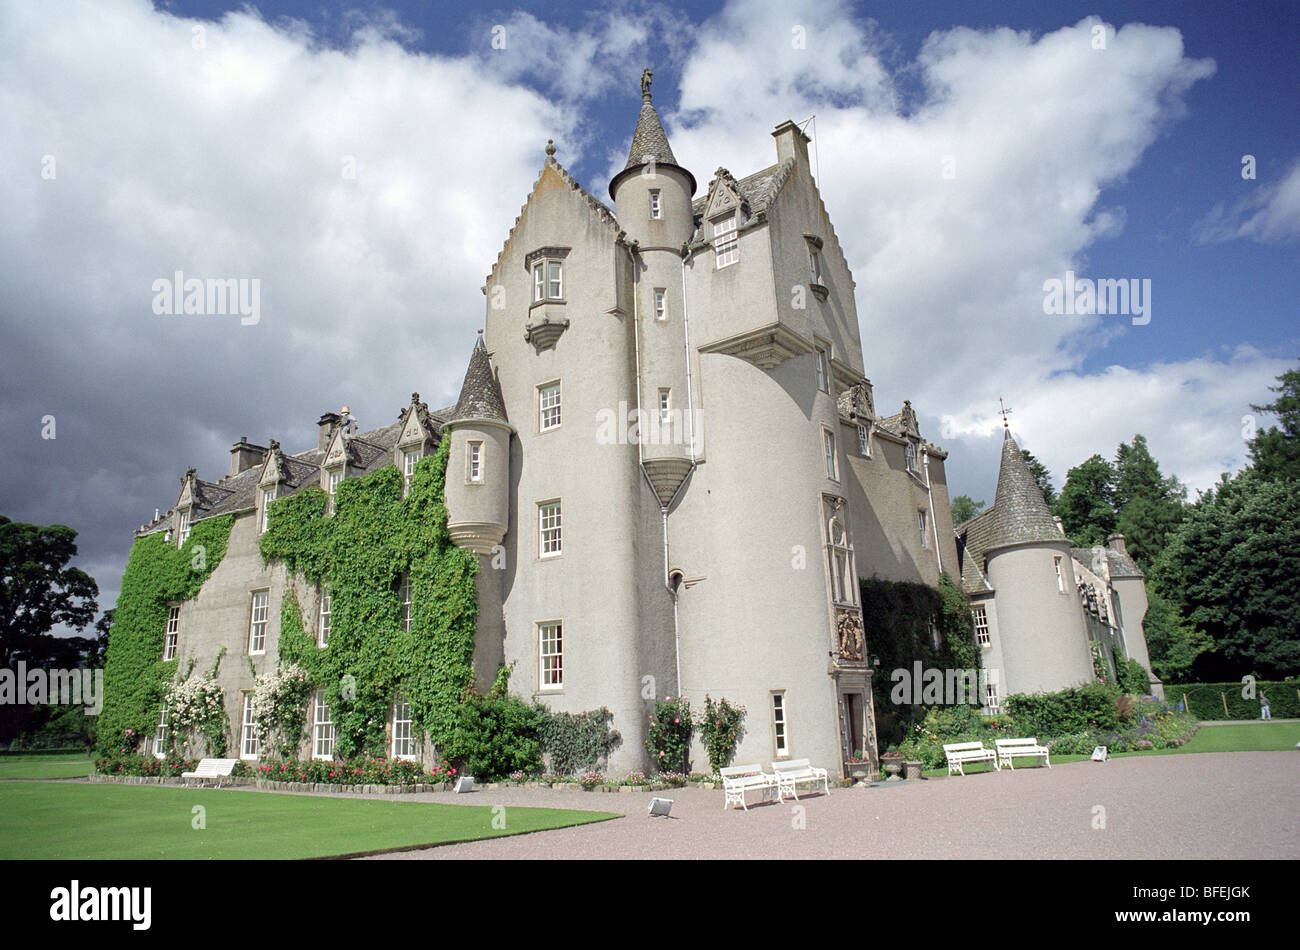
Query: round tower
{"points": [[652, 199], [478, 466]]}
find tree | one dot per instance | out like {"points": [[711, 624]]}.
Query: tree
{"points": [[1086, 505], [964, 508], [1275, 451], [1041, 475], [1172, 644], [1148, 505], [39, 591]]}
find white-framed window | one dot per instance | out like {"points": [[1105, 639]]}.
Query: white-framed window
{"points": [[1060, 575], [322, 729], [323, 627], [991, 698], [980, 615], [268, 496], [920, 522], [404, 746], [404, 597], [832, 460], [333, 479], [823, 375], [550, 641], [548, 526], [780, 726], [474, 461], [257, 622], [409, 458], [184, 531], [661, 305], [173, 633], [548, 280], [656, 204], [160, 733], [843, 572], [248, 730], [815, 264], [548, 406], [665, 405], [909, 456], [726, 241], [864, 441]]}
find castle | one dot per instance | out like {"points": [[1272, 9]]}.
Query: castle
{"points": [[667, 459]]}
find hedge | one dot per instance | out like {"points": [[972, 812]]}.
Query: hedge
{"points": [[1205, 700]]}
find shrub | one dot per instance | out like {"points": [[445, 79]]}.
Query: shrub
{"points": [[495, 735], [132, 763], [722, 726], [1133, 677], [581, 742], [1068, 712], [668, 739]]}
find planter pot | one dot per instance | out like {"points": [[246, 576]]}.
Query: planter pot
{"points": [[892, 768], [858, 772], [912, 770]]}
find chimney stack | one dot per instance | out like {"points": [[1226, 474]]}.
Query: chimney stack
{"points": [[1060, 525], [1116, 543], [244, 455], [326, 425], [791, 143]]}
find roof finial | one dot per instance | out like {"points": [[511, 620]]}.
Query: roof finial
{"points": [[646, 78], [1004, 412], [479, 344], [550, 148]]}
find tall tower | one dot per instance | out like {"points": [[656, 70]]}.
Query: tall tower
{"points": [[1030, 566], [652, 199]]}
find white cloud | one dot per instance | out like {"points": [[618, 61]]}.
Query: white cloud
{"points": [[1272, 215]]}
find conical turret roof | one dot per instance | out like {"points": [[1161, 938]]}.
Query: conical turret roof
{"points": [[1020, 513], [649, 141], [480, 396]]}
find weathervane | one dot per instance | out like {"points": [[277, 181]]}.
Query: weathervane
{"points": [[1004, 412]]}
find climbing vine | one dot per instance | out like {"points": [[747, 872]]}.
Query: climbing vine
{"points": [[361, 552], [135, 675]]}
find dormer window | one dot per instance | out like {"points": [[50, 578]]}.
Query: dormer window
{"points": [[909, 457], [332, 480], [726, 241], [656, 204], [183, 530], [864, 441], [268, 496], [409, 458], [548, 280]]}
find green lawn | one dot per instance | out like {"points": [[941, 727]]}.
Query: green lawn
{"points": [[140, 821], [1238, 737], [45, 766]]}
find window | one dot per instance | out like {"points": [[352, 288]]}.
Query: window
{"points": [[832, 463], [920, 519], [549, 527], [656, 205], [864, 441], [981, 618], [548, 406], [909, 457], [665, 405], [409, 459], [173, 632], [548, 280], [404, 597], [550, 637], [322, 732], [991, 698], [726, 241], [323, 628], [823, 378], [780, 737], [843, 573], [268, 496], [1060, 578], [257, 625], [815, 264], [184, 532], [248, 731], [334, 478], [160, 734], [403, 730], [661, 305], [474, 461]]}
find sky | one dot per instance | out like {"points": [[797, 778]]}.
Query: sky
{"points": [[365, 162]]}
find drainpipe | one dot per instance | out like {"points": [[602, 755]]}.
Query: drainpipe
{"points": [[934, 529]]}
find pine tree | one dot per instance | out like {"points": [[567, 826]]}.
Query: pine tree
{"points": [[1086, 505], [1148, 505], [1275, 451]]}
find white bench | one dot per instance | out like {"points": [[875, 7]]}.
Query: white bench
{"points": [[959, 753], [738, 779], [211, 768], [1008, 749], [790, 773]]}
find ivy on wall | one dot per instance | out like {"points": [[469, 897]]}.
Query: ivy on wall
{"points": [[361, 552], [157, 575], [897, 617]]}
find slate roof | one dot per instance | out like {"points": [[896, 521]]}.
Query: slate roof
{"points": [[649, 141], [480, 396], [1121, 565], [757, 190], [972, 541], [1021, 511]]}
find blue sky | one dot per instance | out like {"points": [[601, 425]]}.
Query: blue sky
{"points": [[222, 158]]}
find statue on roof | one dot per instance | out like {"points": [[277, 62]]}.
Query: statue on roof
{"points": [[646, 78]]}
